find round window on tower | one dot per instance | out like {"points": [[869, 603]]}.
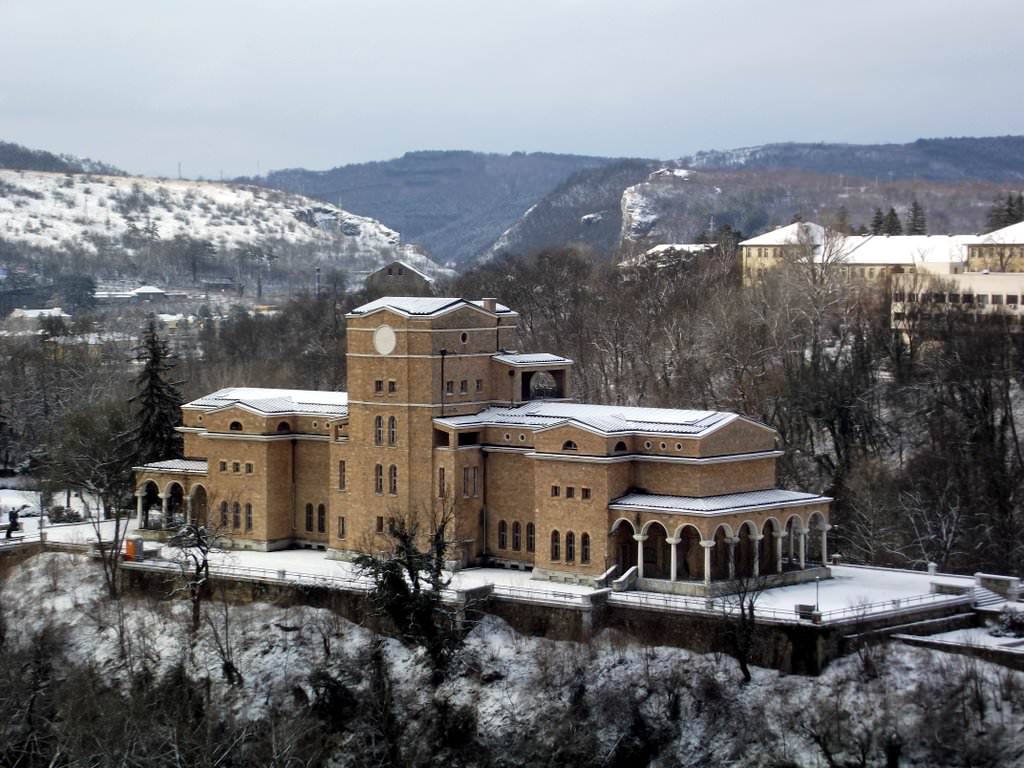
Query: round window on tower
{"points": [[384, 340]]}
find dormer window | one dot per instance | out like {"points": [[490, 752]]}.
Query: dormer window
{"points": [[569, 445], [236, 426]]}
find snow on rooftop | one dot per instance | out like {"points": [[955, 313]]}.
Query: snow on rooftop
{"points": [[534, 358], [418, 306], [35, 314], [790, 235], [713, 505], [1013, 234], [189, 466], [277, 400], [607, 419]]}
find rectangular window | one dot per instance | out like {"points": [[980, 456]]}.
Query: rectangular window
{"points": [[341, 526], [449, 387], [954, 298], [442, 490], [463, 387], [1011, 299], [378, 386], [223, 466], [236, 467], [479, 385], [555, 491], [380, 524], [476, 490], [392, 386], [584, 493], [248, 468], [997, 298], [570, 492], [342, 480]]}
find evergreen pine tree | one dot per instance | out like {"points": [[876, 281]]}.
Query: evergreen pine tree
{"points": [[917, 224], [891, 224], [1017, 214], [1000, 214], [877, 221], [159, 402]]}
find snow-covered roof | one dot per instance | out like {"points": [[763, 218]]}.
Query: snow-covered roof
{"points": [[790, 234], [35, 314], [715, 505], [534, 358], [143, 290], [871, 249], [418, 306], [605, 419], [1011, 235], [186, 466], [905, 249], [276, 401], [409, 267]]}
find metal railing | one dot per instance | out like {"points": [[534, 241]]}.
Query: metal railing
{"points": [[538, 595], [271, 575]]}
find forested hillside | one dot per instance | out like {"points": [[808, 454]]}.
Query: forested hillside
{"points": [[454, 203], [19, 158]]}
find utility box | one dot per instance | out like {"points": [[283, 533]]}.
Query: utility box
{"points": [[133, 549]]}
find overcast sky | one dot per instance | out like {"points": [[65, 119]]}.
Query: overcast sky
{"points": [[225, 86]]}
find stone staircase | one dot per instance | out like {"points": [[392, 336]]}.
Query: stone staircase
{"points": [[985, 598]]}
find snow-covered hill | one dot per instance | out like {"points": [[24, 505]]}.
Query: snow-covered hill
{"points": [[84, 211]]}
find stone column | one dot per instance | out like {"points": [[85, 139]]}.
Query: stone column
{"points": [[165, 503], [756, 569], [139, 497], [732, 542], [825, 528], [708, 546], [674, 543], [640, 538], [188, 510], [803, 547], [792, 530], [778, 550]]}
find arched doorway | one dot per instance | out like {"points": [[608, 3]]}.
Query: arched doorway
{"points": [[150, 495], [816, 546], [745, 551], [175, 505], [200, 506], [720, 553], [768, 547], [690, 556], [622, 545], [657, 551]]}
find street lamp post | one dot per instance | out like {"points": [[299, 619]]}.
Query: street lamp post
{"points": [[817, 585]]}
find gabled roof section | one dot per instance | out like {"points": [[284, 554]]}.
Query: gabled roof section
{"points": [[175, 466], [1011, 235], [790, 235], [531, 359], [603, 419], [276, 401], [418, 306], [407, 266]]}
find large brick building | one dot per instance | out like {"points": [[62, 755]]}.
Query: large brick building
{"points": [[441, 415]]}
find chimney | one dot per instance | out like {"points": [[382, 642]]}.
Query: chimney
{"points": [[491, 305]]}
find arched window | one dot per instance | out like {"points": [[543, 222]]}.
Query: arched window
{"points": [[556, 549], [284, 426], [517, 532], [569, 445], [309, 517], [570, 547], [248, 517], [393, 480], [585, 548], [378, 430], [223, 514], [502, 534], [378, 479], [321, 519], [620, 447], [236, 426], [392, 430], [531, 538], [236, 515]]}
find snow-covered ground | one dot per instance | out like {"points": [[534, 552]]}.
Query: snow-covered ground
{"points": [[980, 636]]}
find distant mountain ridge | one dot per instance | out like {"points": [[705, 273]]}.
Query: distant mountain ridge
{"points": [[18, 158], [996, 158], [455, 203]]}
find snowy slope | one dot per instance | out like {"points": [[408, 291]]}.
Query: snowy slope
{"points": [[58, 210]]}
